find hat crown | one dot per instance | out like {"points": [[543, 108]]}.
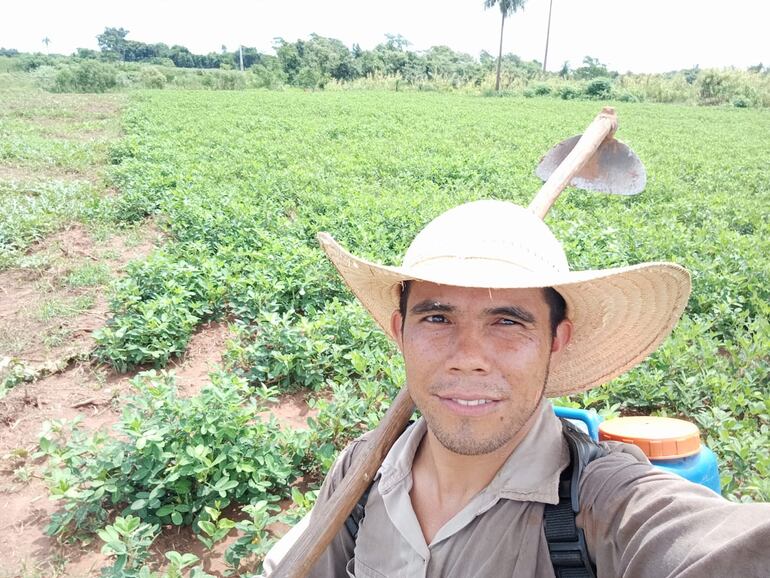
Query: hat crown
{"points": [[488, 230]]}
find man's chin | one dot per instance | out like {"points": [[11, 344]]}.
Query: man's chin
{"points": [[467, 442]]}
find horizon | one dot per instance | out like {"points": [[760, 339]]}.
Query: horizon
{"points": [[687, 34]]}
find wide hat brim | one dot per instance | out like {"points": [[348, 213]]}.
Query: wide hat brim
{"points": [[619, 315]]}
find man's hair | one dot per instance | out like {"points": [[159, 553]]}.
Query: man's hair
{"points": [[556, 305]]}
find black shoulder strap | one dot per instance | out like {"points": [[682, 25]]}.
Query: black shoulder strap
{"points": [[353, 521], [566, 542]]}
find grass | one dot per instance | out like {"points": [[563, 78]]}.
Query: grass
{"points": [[52, 152], [89, 275], [57, 307]]}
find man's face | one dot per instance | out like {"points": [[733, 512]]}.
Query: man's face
{"points": [[477, 361]]}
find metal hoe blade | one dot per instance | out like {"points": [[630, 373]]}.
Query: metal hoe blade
{"points": [[614, 168]]}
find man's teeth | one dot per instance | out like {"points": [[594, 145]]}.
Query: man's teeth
{"points": [[472, 401]]}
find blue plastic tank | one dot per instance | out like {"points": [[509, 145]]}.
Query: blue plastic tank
{"points": [[701, 468], [671, 445]]}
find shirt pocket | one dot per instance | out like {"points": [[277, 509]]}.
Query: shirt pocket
{"points": [[356, 569]]}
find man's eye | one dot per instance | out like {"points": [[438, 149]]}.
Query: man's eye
{"points": [[435, 319], [508, 322]]}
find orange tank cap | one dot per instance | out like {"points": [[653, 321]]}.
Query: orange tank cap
{"points": [[660, 438]]}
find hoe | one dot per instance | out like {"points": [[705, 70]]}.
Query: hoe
{"points": [[593, 161]]}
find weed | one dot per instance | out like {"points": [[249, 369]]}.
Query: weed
{"points": [[88, 275], [57, 307], [56, 337]]}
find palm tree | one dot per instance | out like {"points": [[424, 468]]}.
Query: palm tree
{"points": [[46, 41], [507, 7]]}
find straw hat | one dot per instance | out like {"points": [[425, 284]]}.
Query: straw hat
{"points": [[620, 315]]}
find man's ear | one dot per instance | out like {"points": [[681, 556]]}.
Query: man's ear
{"points": [[561, 336], [397, 328]]}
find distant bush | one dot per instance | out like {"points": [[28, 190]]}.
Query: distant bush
{"points": [[441, 70], [153, 78], [162, 62], [223, 80], [713, 88], [540, 89], [736, 87], [29, 62], [86, 76], [599, 88], [741, 102], [659, 87], [493, 92], [568, 92], [625, 96]]}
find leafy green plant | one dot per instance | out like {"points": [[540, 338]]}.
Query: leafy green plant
{"points": [[128, 540], [14, 371], [215, 528], [292, 351], [174, 458], [159, 305], [255, 540], [302, 503]]}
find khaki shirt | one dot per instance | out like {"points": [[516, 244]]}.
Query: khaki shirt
{"points": [[638, 521]]}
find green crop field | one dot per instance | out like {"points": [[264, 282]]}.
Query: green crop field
{"points": [[242, 182]]}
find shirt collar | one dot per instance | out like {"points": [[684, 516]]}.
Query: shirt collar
{"points": [[531, 472]]}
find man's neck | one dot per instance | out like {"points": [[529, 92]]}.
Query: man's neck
{"points": [[456, 474], [444, 481]]}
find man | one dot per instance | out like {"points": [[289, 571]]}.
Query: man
{"points": [[491, 322]]}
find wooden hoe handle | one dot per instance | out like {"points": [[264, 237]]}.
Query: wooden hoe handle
{"points": [[603, 126], [328, 518]]}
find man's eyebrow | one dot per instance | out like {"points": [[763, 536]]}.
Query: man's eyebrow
{"points": [[512, 311], [431, 306]]}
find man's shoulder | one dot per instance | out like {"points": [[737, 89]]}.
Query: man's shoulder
{"points": [[615, 459], [349, 455]]}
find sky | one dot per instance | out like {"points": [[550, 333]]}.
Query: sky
{"points": [[626, 35]]}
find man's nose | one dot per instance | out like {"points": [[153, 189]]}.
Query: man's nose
{"points": [[468, 355]]}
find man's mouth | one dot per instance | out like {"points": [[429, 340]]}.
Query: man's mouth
{"points": [[468, 406], [471, 402]]}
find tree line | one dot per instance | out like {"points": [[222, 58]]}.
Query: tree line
{"points": [[317, 60]]}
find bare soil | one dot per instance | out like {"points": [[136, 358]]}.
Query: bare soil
{"points": [[41, 324]]}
